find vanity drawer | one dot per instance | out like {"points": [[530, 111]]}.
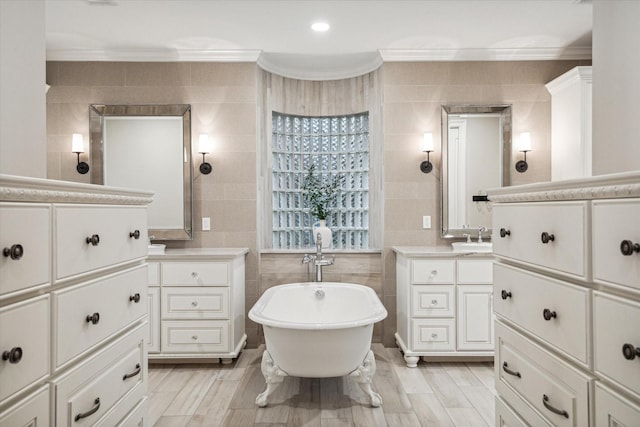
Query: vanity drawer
{"points": [[195, 274], [102, 381], [432, 301], [24, 333], [475, 271], [32, 411], [528, 300], [195, 336], [505, 416], [433, 334], [136, 418], [109, 230], [25, 236], [613, 410], [615, 221], [562, 225], [432, 271], [559, 392], [616, 323], [118, 300], [195, 303]]}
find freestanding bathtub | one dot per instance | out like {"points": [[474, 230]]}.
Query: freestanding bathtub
{"points": [[317, 330]]}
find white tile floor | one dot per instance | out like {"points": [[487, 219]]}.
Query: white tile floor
{"points": [[433, 394]]}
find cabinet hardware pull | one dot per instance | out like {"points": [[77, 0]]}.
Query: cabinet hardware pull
{"points": [[91, 411], [548, 314], [132, 374], [504, 232], [434, 302], [135, 234], [509, 371], [630, 352], [135, 298], [546, 237], [15, 252], [194, 303], [194, 337], [94, 240], [504, 294], [545, 402], [13, 356], [434, 335], [627, 247], [194, 274], [93, 318]]}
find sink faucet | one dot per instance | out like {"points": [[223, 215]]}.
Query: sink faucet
{"points": [[480, 231], [318, 259]]}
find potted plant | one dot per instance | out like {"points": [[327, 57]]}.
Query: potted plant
{"points": [[321, 196]]}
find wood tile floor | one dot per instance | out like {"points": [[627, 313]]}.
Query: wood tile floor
{"points": [[433, 394]]}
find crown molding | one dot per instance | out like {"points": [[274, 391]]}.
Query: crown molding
{"points": [[154, 55], [515, 54], [307, 72]]}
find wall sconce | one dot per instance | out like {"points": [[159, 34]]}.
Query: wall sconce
{"points": [[77, 146], [427, 147], [205, 147], [524, 145]]}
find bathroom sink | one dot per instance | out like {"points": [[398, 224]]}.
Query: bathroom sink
{"points": [[156, 249], [472, 247]]}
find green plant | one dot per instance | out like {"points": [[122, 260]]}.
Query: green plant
{"points": [[321, 194]]}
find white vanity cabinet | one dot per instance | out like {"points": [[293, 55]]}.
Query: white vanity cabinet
{"points": [[73, 303], [568, 308], [444, 303], [198, 304]]}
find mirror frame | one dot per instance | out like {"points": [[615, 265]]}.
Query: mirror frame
{"points": [[505, 112], [97, 113]]}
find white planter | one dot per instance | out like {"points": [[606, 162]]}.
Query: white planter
{"points": [[325, 233]]}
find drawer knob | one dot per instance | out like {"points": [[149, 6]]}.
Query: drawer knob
{"points": [[194, 274], [504, 232], [194, 303], [434, 302], [505, 367], [504, 294], [135, 234], [93, 318], [548, 314], [546, 237], [94, 240], [627, 247], [13, 356], [434, 335], [132, 374], [135, 298], [15, 252], [96, 406], [195, 338], [628, 351], [545, 402]]}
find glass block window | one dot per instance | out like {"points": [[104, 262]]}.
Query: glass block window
{"points": [[336, 146]]}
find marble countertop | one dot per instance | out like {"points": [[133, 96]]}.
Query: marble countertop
{"points": [[436, 251], [208, 253]]}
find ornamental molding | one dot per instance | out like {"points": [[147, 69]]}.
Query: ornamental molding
{"points": [[8, 194], [586, 193]]}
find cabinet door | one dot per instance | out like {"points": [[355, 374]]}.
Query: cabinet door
{"points": [[475, 322], [613, 410], [153, 302]]}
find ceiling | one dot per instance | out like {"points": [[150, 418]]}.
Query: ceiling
{"points": [[277, 34]]}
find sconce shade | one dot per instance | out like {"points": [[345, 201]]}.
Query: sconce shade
{"points": [[427, 142], [525, 141], [77, 143], [205, 145], [524, 145]]}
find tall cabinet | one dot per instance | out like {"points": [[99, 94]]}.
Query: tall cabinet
{"points": [[444, 303], [73, 304], [567, 302]]}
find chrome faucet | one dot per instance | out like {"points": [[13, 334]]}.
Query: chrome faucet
{"points": [[480, 231], [318, 259]]}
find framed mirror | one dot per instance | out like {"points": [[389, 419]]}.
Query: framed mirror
{"points": [[147, 147], [476, 156]]}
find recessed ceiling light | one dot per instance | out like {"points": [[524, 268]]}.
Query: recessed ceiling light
{"points": [[320, 27]]}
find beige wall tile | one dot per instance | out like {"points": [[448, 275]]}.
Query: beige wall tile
{"points": [[157, 74]]}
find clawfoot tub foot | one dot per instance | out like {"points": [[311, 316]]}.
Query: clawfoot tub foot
{"points": [[272, 375], [363, 375]]}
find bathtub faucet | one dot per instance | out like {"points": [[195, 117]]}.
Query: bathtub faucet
{"points": [[318, 259]]}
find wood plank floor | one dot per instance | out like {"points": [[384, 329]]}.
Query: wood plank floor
{"points": [[433, 394]]}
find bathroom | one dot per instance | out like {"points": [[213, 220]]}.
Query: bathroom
{"points": [[226, 98]]}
